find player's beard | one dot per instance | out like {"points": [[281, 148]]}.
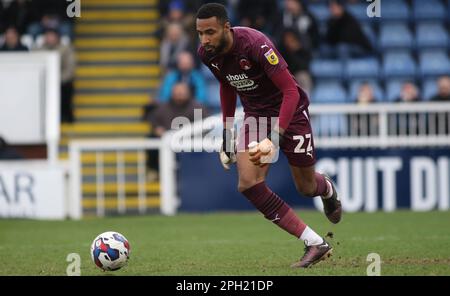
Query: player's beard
{"points": [[223, 42]]}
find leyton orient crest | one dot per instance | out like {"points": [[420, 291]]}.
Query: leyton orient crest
{"points": [[245, 64]]}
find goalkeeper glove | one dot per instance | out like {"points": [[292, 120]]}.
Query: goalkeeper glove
{"points": [[228, 149]]}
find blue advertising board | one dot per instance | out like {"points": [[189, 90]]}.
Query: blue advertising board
{"points": [[367, 180]]}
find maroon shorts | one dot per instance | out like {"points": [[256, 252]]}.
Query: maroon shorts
{"points": [[297, 143]]}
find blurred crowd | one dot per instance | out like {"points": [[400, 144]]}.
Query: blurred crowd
{"points": [[313, 36], [336, 52]]}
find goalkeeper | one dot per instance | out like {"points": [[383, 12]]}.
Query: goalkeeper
{"points": [[247, 64]]}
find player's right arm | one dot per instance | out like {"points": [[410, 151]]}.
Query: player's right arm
{"points": [[228, 99]]}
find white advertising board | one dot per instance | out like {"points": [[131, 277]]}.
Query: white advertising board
{"points": [[31, 189]]}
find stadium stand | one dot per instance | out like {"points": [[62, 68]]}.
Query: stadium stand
{"points": [[429, 89], [329, 92], [399, 64], [434, 63], [118, 71], [396, 35], [428, 10], [355, 85], [395, 10], [365, 68], [326, 68], [411, 40], [431, 35]]}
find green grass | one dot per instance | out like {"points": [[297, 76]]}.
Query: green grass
{"points": [[232, 244]]}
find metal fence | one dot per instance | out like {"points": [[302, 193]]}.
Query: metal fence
{"points": [[335, 126]]}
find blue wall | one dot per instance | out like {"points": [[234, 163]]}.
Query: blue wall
{"points": [[368, 180]]}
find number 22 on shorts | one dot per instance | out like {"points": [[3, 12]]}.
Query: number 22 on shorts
{"points": [[302, 139]]}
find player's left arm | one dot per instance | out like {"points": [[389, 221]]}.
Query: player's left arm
{"points": [[284, 81], [276, 69], [262, 153]]}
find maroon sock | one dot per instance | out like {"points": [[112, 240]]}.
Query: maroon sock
{"points": [[322, 186], [274, 209]]}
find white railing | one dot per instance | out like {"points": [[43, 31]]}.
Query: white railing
{"points": [[433, 130], [381, 125], [168, 193]]}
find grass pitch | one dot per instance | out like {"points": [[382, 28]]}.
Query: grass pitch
{"points": [[232, 244]]}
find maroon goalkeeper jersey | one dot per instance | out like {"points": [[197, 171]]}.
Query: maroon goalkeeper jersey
{"points": [[247, 67]]}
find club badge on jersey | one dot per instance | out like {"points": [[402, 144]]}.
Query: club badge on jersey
{"points": [[271, 57], [245, 64]]}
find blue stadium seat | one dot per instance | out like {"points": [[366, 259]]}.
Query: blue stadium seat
{"points": [[429, 89], [377, 90], [395, 36], [431, 35], [362, 68], [327, 68], [428, 10], [329, 92], [320, 11], [399, 65], [395, 10], [434, 63]]}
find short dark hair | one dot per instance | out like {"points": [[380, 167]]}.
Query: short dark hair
{"points": [[52, 30], [213, 10]]}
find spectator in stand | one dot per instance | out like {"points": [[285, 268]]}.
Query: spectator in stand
{"points": [[409, 93], [443, 95], [443, 90], [181, 104], [51, 14], [365, 94], [344, 32], [177, 11], [297, 57], [175, 41], [185, 72], [409, 123], [12, 41], [20, 14], [52, 41], [364, 124], [296, 16]]}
